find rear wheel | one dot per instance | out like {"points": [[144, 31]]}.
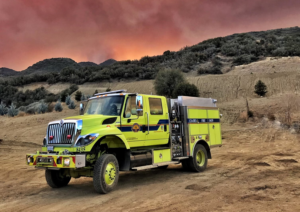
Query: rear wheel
{"points": [[56, 178], [198, 162], [106, 173]]}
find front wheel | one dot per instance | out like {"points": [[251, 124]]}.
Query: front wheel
{"points": [[56, 178], [106, 173]]}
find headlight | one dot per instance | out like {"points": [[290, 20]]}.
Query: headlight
{"points": [[67, 161], [28, 160], [44, 142], [85, 140]]}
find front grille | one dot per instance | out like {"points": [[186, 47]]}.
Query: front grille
{"points": [[60, 133]]}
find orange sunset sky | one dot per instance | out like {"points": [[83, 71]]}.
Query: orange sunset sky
{"points": [[95, 30]]}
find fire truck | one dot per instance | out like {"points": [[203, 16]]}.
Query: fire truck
{"points": [[118, 131]]}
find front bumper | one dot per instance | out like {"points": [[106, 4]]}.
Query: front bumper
{"points": [[56, 161]]}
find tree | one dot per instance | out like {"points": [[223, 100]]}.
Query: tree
{"points": [[166, 81], [12, 111], [58, 107], [185, 89], [260, 88], [78, 95], [72, 105], [63, 96]]}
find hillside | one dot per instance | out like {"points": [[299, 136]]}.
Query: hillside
{"points": [[4, 72], [213, 56], [107, 62], [50, 65], [87, 64]]}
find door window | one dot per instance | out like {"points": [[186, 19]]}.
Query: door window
{"points": [[155, 106], [130, 108]]}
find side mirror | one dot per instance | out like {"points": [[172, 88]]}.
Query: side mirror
{"points": [[81, 109]]}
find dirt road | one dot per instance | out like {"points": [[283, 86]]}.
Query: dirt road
{"points": [[256, 170]]}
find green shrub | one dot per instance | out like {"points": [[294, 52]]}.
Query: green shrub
{"points": [[72, 105], [12, 110], [185, 89], [30, 110], [260, 88], [83, 97], [42, 108], [3, 109], [58, 107], [68, 100], [166, 81], [108, 89]]}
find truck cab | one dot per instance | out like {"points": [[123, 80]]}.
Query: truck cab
{"points": [[118, 131]]}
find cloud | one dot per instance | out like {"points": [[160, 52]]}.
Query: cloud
{"points": [[94, 30]]}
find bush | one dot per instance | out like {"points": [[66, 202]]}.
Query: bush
{"points": [[58, 107], [185, 89], [3, 109], [78, 95], [12, 110], [72, 105], [260, 88], [211, 70], [51, 98], [42, 108], [83, 97], [30, 110], [68, 100], [108, 89], [50, 107], [96, 91], [166, 81]]}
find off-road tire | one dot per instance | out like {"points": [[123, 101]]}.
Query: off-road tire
{"points": [[99, 173], [194, 166], [55, 178]]}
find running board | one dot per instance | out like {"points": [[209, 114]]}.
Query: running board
{"points": [[154, 166], [180, 158]]}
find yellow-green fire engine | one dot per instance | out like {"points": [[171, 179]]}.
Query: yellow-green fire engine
{"points": [[118, 131]]}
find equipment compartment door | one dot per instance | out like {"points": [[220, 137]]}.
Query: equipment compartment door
{"points": [[158, 121], [214, 127]]}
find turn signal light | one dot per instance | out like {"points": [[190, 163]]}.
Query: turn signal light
{"points": [[51, 137]]}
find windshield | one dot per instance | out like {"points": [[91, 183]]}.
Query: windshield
{"points": [[109, 106]]}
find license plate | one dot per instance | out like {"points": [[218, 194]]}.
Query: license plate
{"points": [[49, 148], [45, 160]]}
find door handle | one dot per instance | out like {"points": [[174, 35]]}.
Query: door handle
{"points": [[148, 121]]}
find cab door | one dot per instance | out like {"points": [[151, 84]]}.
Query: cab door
{"points": [[157, 115], [133, 123]]}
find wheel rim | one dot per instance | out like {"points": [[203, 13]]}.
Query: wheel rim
{"points": [[200, 158], [110, 173]]}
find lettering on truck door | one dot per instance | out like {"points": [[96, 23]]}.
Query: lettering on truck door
{"points": [[158, 121], [135, 130]]}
